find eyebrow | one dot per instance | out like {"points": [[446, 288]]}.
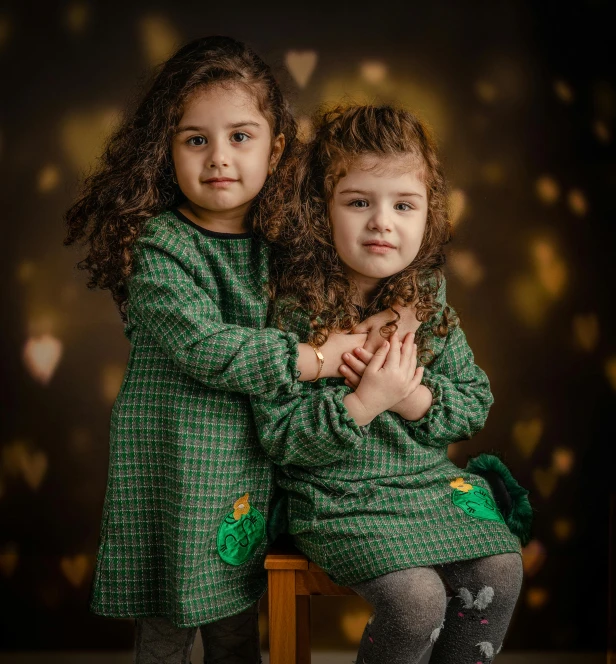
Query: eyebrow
{"points": [[235, 125], [365, 193]]}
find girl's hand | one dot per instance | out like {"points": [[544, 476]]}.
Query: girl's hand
{"points": [[389, 377], [356, 363], [372, 326], [414, 407], [337, 344]]}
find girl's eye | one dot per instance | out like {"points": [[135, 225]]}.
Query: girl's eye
{"points": [[240, 137], [403, 206], [196, 141], [360, 203]]}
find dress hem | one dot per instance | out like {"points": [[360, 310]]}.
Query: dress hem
{"points": [[135, 615]]}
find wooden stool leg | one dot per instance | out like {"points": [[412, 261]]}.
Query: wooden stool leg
{"points": [[303, 629], [282, 616]]}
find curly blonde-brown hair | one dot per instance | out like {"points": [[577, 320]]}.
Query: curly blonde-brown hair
{"points": [[135, 178], [306, 270]]}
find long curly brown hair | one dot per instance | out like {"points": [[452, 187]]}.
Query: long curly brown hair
{"points": [[135, 179], [306, 270]]}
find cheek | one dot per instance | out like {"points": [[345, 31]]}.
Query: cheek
{"points": [[184, 165], [256, 164], [343, 236]]}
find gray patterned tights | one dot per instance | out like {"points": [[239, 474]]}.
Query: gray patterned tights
{"points": [[411, 613], [233, 640]]}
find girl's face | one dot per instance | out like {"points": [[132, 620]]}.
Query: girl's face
{"points": [[223, 149], [378, 214]]}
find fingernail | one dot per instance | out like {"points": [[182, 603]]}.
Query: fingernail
{"points": [[358, 350], [346, 356], [343, 369]]}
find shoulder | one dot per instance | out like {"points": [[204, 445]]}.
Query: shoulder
{"points": [[166, 236], [165, 230]]}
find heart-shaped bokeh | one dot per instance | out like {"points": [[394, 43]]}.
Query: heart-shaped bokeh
{"points": [[301, 64]]}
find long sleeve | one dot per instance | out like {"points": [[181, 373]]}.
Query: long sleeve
{"points": [[166, 300], [309, 427], [461, 396]]}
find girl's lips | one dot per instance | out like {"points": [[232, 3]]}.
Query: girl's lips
{"points": [[219, 183], [374, 248]]}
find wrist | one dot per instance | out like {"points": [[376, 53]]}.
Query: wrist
{"points": [[357, 410], [415, 406], [307, 363]]}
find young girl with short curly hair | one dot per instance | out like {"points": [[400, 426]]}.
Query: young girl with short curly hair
{"points": [[372, 495]]}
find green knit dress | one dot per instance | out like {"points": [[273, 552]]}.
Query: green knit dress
{"points": [[384, 498], [189, 487]]}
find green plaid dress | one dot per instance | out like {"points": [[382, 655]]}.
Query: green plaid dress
{"points": [[365, 501], [183, 447]]}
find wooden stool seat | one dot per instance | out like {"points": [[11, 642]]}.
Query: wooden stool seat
{"points": [[292, 579]]}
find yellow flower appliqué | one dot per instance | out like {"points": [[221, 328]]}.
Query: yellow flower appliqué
{"points": [[241, 506], [461, 485]]}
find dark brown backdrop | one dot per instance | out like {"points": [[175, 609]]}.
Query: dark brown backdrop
{"points": [[522, 98]]}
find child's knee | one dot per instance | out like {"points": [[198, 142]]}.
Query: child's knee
{"points": [[418, 609], [503, 571]]}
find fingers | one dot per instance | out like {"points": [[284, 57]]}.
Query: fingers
{"points": [[406, 353], [357, 365], [419, 372], [373, 342], [352, 379], [378, 359], [393, 359], [363, 354]]}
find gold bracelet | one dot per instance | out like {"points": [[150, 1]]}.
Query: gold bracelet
{"points": [[320, 358]]}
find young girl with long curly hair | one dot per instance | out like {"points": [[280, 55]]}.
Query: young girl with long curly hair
{"points": [[174, 220], [372, 495]]}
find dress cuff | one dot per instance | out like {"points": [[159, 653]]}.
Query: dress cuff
{"points": [[437, 394], [345, 420], [290, 382]]}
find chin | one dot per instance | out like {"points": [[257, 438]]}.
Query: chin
{"points": [[377, 274]]}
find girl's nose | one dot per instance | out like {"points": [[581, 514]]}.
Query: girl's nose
{"points": [[217, 157], [379, 222]]}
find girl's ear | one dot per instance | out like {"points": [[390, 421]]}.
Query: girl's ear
{"points": [[277, 150]]}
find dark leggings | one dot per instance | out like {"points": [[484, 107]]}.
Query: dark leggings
{"points": [[233, 640], [411, 612]]}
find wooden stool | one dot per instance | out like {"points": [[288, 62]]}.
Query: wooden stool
{"points": [[292, 579]]}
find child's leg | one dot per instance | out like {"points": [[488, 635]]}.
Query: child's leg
{"points": [[486, 590], [159, 641], [233, 640], [409, 606]]}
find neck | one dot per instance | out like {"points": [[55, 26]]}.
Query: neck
{"points": [[223, 221], [365, 287]]}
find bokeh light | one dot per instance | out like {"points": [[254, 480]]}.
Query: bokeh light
{"points": [[526, 435], [48, 179], [564, 91], [466, 266], [374, 72], [536, 598], [159, 38], [77, 16], [586, 331], [548, 190], [301, 65], [577, 202], [533, 558], [41, 356], [83, 134]]}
